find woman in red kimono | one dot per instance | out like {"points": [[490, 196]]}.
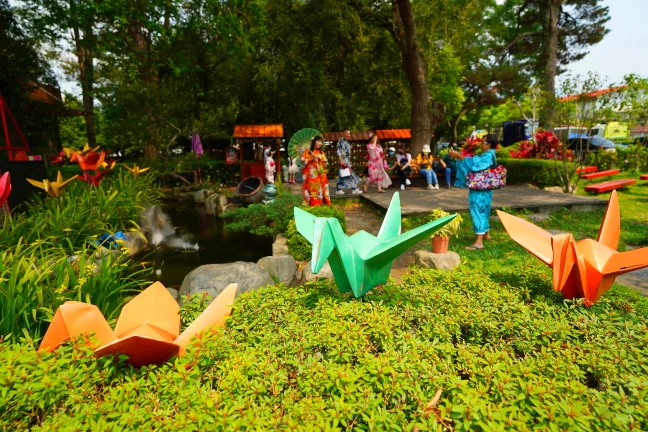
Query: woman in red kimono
{"points": [[316, 189]]}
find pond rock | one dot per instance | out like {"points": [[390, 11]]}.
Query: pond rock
{"points": [[215, 204], [135, 242], [202, 195], [444, 261], [279, 249], [214, 278], [282, 268], [174, 293], [324, 273], [555, 189]]}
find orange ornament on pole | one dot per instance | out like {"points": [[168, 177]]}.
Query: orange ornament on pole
{"points": [[584, 269]]}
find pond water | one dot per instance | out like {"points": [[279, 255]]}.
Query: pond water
{"points": [[216, 246]]}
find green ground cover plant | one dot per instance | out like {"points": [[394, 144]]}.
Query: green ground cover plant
{"points": [[505, 355]]}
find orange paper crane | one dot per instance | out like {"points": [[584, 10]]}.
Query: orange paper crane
{"points": [[584, 269], [90, 162], [54, 189], [136, 170], [147, 328], [5, 188]]}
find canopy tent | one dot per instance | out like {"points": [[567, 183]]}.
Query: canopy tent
{"points": [[249, 137], [355, 136], [394, 134], [14, 141]]}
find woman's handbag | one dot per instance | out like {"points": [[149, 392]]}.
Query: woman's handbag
{"points": [[345, 172], [490, 179]]}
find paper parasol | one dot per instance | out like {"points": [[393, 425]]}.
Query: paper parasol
{"points": [[300, 142]]}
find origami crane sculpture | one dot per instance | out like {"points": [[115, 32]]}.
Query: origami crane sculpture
{"points": [[5, 188], [54, 189], [147, 328], [92, 180], [136, 170], [91, 161], [362, 261], [584, 269]]}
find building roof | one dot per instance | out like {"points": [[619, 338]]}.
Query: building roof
{"points": [[386, 134], [49, 101], [355, 136], [259, 131], [593, 94]]}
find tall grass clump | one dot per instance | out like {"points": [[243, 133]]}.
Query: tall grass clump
{"points": [[82, 212], [47, 255]]}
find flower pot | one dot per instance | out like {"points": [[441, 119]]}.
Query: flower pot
{"points": [[440, 244]]}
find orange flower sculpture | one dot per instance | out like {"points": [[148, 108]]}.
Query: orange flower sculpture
{"points": [[91, 161], [55, 188], [147, 328], [584, 269], [5, 188], [92, 180], [136, 170]]}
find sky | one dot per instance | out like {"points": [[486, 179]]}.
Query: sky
{"points": [[625, 49]]}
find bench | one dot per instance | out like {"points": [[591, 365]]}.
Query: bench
{"points": [[609, 185], [605, 173], [587, 169], [643, 177]]}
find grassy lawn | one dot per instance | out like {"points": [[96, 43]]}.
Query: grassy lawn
{"points": [[505, 261]]}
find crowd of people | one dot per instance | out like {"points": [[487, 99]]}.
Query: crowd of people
{"points": [[399, 164]]}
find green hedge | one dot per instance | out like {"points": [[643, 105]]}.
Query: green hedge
{"points": [[541, 173], [505, 357], [298, 246]]}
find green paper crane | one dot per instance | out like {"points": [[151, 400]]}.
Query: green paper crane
{"points": [[362, 261]]}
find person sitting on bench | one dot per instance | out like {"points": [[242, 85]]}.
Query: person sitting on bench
{"points": [[451, 164], [403, 166], [425, 163]]}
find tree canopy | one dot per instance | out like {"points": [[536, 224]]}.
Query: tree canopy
{"points": [[158, 70]]}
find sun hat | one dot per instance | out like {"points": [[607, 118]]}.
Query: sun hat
{"points": [[426, 149], [391, 149]]}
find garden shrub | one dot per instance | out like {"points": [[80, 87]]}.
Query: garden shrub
{"points": [[541, 173], [264, 219], [298, 246], [311, 358]]}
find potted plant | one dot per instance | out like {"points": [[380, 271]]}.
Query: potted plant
{"points": [[441, 238]]}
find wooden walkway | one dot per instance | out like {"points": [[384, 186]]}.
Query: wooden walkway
{"points": [[417, 200]]}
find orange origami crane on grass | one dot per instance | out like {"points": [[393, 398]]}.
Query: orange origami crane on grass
{"points": [[53, 188], [147, 328], [584, 269]]}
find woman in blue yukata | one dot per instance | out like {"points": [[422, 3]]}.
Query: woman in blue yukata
{"points": [[479, 201]]}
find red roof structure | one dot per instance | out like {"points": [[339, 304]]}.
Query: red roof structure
{"points": [[593, 94], [259, 131], [393, 134], [355, 136]]}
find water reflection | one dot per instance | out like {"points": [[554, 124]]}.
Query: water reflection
{"points": [[216, 246]]}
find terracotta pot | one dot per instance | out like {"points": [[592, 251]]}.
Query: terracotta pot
{"points": [[440, 244]]}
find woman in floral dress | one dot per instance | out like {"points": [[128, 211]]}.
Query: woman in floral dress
{"points": [[375, 162], [316, 189]]}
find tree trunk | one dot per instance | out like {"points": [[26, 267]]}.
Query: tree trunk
{"points": [[425, 114], [552, 12], [455, 124], [85, 57]]}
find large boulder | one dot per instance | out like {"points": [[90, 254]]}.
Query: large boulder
{"points": [[282, 268], [214, 278], [444, 261], [324, 273], [215, 204]]}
